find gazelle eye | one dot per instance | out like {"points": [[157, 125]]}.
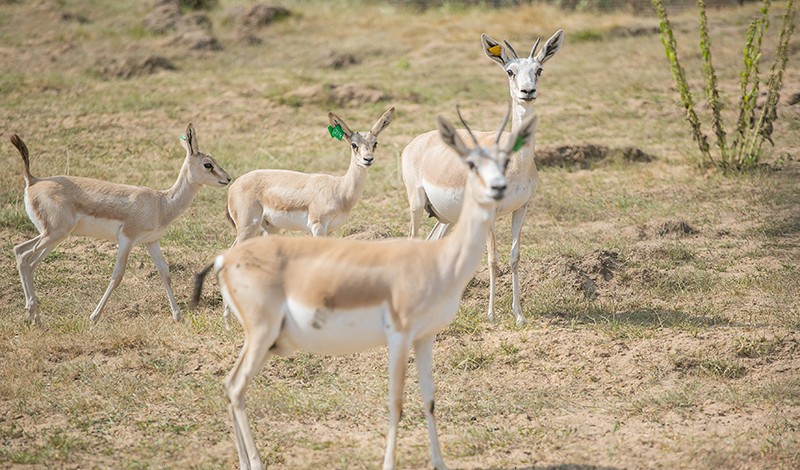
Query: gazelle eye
{"points": [[539, 72], [471, 165], [510, 72], [355, 147], [374, 146], [208, 166]]}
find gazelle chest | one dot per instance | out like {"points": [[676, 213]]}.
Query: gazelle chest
{"points": [[335, 331]]}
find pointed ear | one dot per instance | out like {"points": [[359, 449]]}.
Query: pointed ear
{"points": [[550, 48], [448, 134], [522, 136], [189, 140], [494, 50], [337, 121], [383, 122]]}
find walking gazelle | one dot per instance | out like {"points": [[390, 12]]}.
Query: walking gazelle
{"points": [[335, 296], [129, 215]]}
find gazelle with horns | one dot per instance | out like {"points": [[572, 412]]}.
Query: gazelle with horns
{"points": [[435, 183], [334, 296], [128, 215]]}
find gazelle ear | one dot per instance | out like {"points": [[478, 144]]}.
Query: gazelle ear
{"points": [[189, 140], [521, 136], [337, 121], [449, 136], [550, 48], [383, 122], [494, 50]]}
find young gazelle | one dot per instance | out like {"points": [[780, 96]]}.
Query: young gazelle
{"points": [[129, 215], [435, 183], [335, 296], [279, 199]]}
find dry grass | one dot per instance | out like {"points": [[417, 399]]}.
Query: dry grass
{"points": [[649, 345]]}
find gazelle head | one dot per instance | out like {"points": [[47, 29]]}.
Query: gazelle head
{"points": [[523, 74], [487, 164], [202, 166], [362, 145]]}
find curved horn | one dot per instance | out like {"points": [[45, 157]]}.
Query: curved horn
{"points": [[458, 112], [511, 49], [533, 51], [505, 121]]}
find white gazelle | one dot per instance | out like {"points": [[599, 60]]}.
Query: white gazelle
{"points": [[435, 183], [335, 296], [272, 200], [128, 215]]}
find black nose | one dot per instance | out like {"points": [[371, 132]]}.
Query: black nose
{"points": [[529, 91]]}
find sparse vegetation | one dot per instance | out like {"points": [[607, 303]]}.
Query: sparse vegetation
{"points": [[663, 305]]}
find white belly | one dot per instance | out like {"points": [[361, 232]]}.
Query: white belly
{"points": [[98, 228], [335, 332], [446, 202], [288, 220]]}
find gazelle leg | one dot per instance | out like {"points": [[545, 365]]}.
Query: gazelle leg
{"points": [[423, 351], [517, 218], [254, 355], [491, 248], [438, 231], [125, 247], [28, 255], [154, 250], [399, 348]]}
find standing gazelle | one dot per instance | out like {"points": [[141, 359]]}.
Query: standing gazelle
{"points": [[334, 296], [435, 183], [128, 215], [280, 199]]}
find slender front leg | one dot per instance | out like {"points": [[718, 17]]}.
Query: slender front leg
{"points": [[517, 218], [494, 268], [423, 350], [399, 347], [125, 247], [154, 249]]}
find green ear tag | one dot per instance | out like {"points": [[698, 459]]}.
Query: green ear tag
{"points": [[518, 145], [336, 132], [183, 137]]}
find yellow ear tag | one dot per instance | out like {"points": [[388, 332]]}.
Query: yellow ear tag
{"points": [[496, 50]]}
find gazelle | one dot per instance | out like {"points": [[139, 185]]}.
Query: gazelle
{"points": [[335, 296], [280, 199], [435, 183], [129, 215]]}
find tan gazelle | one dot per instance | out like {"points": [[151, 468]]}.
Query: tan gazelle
{"points": [[435, 183], [129, 215], [272, 200], [337, 296]]}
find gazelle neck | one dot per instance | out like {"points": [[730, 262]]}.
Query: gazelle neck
{"points": [[463, 249], [352, 183], [180, 195], [523, 161]]}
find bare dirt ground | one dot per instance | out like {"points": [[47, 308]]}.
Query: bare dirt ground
{"points": [[662, 299]]}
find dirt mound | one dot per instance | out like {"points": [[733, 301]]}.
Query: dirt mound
{"points": [[257, 16], [136, 66], [163, 17], [194, 40], [586, 274], [337, 60], [660, 228], [583, 154], [331, 93], [166, 16]]}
